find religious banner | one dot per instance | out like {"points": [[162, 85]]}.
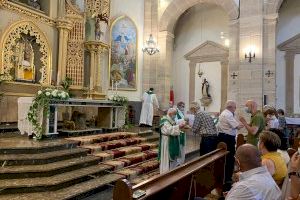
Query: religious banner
{"points": [[123, 57]]}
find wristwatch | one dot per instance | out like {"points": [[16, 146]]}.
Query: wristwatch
{"points": [[294, 174]]}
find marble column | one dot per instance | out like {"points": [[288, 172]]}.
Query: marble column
{"points": [[233, 89], [64, 26], [251, 35], [164, 66], [224, 83], [289, 81], [269, 57], [192, 81], [95, 48]]}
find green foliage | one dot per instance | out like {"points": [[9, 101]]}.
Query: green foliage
{"points": [[66, 83], [40, 108]]}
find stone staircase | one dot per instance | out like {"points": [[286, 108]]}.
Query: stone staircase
{"points": [[62, 170]]}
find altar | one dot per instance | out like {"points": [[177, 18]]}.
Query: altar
{"points": [[110, 115]]}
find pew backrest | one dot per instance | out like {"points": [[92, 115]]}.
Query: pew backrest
{"points": [[205, 172]]}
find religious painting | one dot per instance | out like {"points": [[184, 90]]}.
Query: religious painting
{"points": [[123, 57]]}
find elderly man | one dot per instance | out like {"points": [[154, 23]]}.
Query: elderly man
{"points": [[227, 127], [255, 180], [169, 148], [204, 126], [257, 123]]}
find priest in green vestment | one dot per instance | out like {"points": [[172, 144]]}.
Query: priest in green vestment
{"points": [[169, 147], [182, 138]]}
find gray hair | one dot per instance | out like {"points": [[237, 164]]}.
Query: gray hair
{"points": [[195, 105], [230, 104], [171, 110]]}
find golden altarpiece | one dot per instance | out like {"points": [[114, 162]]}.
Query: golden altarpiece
{"points": [[44, 42]]}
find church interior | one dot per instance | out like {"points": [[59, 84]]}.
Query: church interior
{"points": [[78, 120]]}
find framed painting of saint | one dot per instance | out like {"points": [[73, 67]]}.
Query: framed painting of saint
{"points": [[123, 55]]}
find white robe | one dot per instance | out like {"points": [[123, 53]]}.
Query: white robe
{"points": [[147, 108], [165, 163]]}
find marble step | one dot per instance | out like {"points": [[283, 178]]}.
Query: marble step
{"points": [[85, 140], [152, 138], [77, 191], [131, 159], [124, 151], [50, 169], [136, 170], [41, 158], [98, 147], [42, 184], [27, 146], [144, 177]]}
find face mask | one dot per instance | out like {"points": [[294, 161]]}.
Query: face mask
{"points": [[247, 110], [173, 117]]}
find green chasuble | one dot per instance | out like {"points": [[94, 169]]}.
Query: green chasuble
{"points": [[179, 115], [174, 149]]}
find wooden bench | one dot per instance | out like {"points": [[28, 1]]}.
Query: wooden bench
{"points": [[199, 176]]}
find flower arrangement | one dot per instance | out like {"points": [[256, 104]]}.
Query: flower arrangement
{"points": [[119, 99], [40, 105]]}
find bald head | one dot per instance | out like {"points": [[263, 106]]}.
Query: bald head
{"points": [[231, 105], [248, 156]]}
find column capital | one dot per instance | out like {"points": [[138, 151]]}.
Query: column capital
{"points": [[289, 55], [166, 34], [96, 46], [192, 64], [63, 23]]}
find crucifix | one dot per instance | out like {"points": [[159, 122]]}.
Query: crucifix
{"points": [[234, 75], [269, 73]]}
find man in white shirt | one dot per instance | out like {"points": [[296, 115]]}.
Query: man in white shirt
{"points": [[255, 181], [227, 127]]}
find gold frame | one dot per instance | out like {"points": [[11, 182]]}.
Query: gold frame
{"points": [[136, 50], [8, 39]]}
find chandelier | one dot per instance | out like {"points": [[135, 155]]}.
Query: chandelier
{"points": [[150, 47]]}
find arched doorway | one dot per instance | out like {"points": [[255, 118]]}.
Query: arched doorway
{"points": [[167, 19]]}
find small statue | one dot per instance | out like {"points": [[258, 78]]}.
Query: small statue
{"points": [[205, 88], [35, 4], [206, 97], [101, 22]]}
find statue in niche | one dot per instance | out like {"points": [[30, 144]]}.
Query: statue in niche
{"points": [[24, 60], [35, 4], [205, 88], [101, 22], [206, 97]]}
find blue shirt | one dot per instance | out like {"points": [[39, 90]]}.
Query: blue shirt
{"points": [[255, 184]]}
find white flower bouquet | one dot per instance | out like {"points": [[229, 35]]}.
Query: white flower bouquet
{"points": [[118, 99], [40, 105]]}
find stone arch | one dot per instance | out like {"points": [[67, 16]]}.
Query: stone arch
{"points": [[272, 6], [9, 40], [177, 7]]}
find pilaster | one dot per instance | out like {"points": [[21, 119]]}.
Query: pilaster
{"points": [[64, 26]]}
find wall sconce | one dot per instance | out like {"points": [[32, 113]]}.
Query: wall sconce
{"points": [[250, 53]]}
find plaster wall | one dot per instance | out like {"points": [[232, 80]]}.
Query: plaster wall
{"points": [[287, 27], [199, 24]]}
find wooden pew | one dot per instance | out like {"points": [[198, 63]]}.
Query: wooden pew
{"points": [[202, 175], [240, 140]]}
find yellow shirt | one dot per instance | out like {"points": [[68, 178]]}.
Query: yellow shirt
{"points": [[280, 166]]}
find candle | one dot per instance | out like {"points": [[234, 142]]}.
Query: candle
{"points": [[116, 86], [112, 85]]}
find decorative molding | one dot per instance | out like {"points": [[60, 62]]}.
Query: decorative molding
{"points": [[208, 51], [27, 12], [8, 41], [291, 45], [75, 44], [63, 23]]}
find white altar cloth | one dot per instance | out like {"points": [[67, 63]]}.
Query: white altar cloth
{"points": [[293, 121], [24, 125]]}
